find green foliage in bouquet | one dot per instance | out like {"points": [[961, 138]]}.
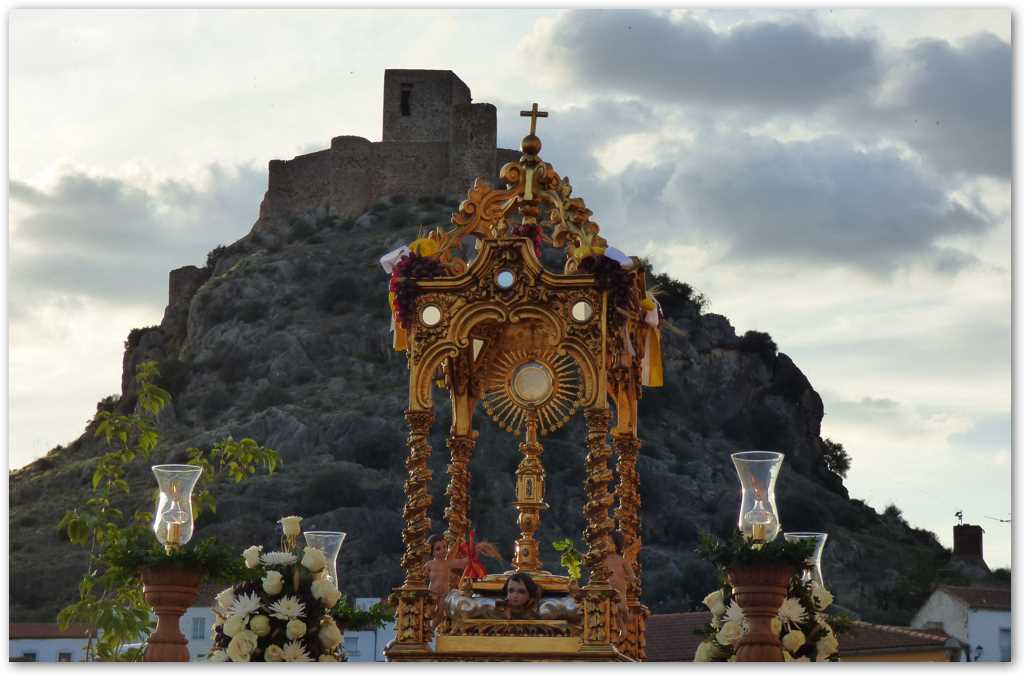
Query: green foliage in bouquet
{"points": [[283, 613], [353, 619], [110, 598], [738, 551], [569, 558]]}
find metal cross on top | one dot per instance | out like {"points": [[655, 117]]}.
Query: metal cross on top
{"points": [[533, 114]]}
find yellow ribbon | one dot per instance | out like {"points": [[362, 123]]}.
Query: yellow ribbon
{"points": [[424, 247]]}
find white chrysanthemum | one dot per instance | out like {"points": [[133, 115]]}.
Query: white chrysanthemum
{"points": [[792, 613], [246, 604], [278, 559], [287, 608], [734, 613], [295, 652]]}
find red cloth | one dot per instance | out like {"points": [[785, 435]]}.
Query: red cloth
{"points": [[474, 568]]}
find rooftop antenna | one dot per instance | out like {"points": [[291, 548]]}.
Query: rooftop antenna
{"points": [[1000, 520], [960, 516]]}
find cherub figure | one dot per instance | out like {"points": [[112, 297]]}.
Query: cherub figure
{"points": [[522, 596], [621, 578], [439, 572]]}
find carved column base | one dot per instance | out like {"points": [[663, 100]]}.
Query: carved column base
{"points": [[414, 608], [760, 591], [169, 590], [598, 608]]}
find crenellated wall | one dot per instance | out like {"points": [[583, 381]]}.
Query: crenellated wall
{"points": [[435, 141]]}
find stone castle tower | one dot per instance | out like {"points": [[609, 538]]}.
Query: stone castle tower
{"points": [[434, 140]]}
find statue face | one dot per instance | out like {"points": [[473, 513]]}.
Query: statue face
{"points": [[516, 594], [438, 549]]}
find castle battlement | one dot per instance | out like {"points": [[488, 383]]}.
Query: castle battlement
{"points": [[435, 140]]}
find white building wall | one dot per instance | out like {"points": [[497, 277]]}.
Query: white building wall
{"points": [[48, 649], [984, 629], [951, 612]]}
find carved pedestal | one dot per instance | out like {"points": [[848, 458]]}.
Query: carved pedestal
{"points": [[760, 591], [169, 590]]}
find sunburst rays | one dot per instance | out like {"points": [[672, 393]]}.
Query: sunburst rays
{"points": [[553, 412]]}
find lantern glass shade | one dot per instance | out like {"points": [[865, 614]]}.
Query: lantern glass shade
{"points": [[329, 542], [172, 522], [758, 471], [814, 572]]}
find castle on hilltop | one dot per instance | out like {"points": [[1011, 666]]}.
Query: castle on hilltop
{"points": [[434, 140]]}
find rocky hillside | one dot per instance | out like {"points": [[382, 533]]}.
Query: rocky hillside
{"points": [[283, 336]]}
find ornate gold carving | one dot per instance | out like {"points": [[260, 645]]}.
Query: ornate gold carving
{"points": [[596, 510], [458, 491], [627, 447], [418, 499], [530, 502]]}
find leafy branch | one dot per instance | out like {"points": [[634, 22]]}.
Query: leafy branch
{"points": [[738, 551], [570, 558]]}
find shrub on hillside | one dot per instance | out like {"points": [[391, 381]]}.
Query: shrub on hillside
{"points": [[760, 343], [333, 489]]}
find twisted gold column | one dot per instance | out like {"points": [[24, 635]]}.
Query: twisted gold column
{"points": [[597, 594], [412, 601], [628, 521], [457, 513]]}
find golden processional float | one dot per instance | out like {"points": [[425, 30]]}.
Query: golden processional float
{"points": [[532, 346]]}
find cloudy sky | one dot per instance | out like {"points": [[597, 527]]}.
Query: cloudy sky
{"points": [[839, 179]]}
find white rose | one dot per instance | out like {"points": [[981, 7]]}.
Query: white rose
{"points": [[821, 595], [825, 647], [290, 525], [326, 591], [217, 656], [730, 633], [273, 653], [242, 646], [776, 625], [714, 602], [295, 629], [313, 559], [329, 635], [324, 657], [793, 640], [260, 624], [706, 652], [252, 556], [273, 583], [233, 625], [226, 598]]}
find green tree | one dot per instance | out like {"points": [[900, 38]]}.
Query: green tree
{"points": [[110, 598], [836, 458]]}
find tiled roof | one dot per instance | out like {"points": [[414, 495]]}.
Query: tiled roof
{"points": [[984, 598], [46, 630], [671, 637], [868, 637]]}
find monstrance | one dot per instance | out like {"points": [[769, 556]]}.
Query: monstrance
{"points": [[533, 347]]}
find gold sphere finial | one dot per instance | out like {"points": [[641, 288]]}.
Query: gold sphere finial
{"points": [[531, 144]]}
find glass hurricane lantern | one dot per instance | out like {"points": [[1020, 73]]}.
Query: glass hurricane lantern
{"points": [[329, 542], [813, 573], [172, 521], [758, 471]]}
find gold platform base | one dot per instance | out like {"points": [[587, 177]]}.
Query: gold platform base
{"points": [[512, 649]]}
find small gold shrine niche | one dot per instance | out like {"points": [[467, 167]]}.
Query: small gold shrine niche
{"points": [[532, 347]]}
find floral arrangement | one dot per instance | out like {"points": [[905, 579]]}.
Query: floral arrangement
{"points": [[807, 632], [285, 614], [610, 276], [420, 263]]}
